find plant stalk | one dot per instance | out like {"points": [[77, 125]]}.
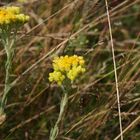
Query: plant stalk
{"points": [[8, 45], [54, 131]]}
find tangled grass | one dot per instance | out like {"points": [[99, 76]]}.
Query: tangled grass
{"points": [[68, 27]]}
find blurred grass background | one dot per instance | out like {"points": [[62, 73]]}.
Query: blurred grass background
{"points": [[59, 27]]}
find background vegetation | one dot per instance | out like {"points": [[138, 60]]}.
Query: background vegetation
{"points": [[59, 27]]}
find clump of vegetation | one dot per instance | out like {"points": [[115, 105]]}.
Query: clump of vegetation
{"points": [[11, 19], [70, 99], [66, 70]]}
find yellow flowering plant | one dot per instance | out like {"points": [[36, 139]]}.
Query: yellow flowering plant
{"points": [[66, 70], [11, 19]]}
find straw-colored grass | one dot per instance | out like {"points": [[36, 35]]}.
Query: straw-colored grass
{"points": [[60, 27]]}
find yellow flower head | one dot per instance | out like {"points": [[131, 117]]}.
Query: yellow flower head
{"points": [[57, 77], [22, 1], [67, 67], [11, 15], [13, 9]]}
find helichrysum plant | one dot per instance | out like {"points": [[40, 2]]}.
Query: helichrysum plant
{"points": [[11, 19], [66, 70]]}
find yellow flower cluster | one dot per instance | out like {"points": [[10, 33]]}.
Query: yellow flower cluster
{"points": [[12, 14], [67, 67], [22, 0]]}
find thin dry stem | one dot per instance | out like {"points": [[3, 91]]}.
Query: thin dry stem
{"points": [[115, 70]]}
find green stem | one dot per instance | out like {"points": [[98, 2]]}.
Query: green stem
{"points": [[7, 81], [9, 52], [54, 131]]}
